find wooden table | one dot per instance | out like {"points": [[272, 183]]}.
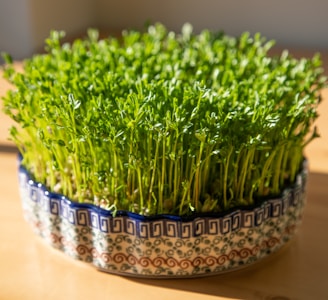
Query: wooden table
{"points": [[30, 269]]}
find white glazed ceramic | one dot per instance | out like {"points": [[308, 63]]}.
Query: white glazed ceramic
{"points": [[164, 245]]}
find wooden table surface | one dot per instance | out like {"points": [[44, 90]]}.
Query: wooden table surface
{"points": [[30, 269]]}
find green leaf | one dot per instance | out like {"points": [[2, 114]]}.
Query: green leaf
{"points": [[204, 122]]}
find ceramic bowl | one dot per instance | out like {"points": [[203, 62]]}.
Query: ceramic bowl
{"points": [[164, 245]]}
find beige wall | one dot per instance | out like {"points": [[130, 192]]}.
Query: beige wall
{"points": [[24, 24], [291, 22], [73, 16], [15, 31]]}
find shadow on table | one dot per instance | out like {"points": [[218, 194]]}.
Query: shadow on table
{"points": [[5, 148]]}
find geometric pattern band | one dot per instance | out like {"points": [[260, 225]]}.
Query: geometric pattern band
{"points": [[159, 227]]}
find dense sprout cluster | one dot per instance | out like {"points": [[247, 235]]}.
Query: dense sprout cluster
{"points": [[157, 122]]}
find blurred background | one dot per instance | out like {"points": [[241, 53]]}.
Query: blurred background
{"points": [[24, 24]]}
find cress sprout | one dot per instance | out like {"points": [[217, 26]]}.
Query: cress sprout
{"points": [[159, 122]]}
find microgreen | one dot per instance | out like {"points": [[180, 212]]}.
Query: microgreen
{"points": [[160, 122]]}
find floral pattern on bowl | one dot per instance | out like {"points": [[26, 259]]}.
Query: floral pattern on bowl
{"points": [[165, 245]]}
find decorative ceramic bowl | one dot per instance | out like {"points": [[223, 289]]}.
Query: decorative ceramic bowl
{"points": [[164, 245]]}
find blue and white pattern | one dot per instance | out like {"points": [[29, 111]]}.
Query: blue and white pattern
{"points": [[161, 246], [170, 226]]}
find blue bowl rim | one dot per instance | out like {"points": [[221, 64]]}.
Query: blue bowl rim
{"points": [[136, 216]]}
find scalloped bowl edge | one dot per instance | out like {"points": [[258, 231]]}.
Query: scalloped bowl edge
{"points": [[163, 246]]}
